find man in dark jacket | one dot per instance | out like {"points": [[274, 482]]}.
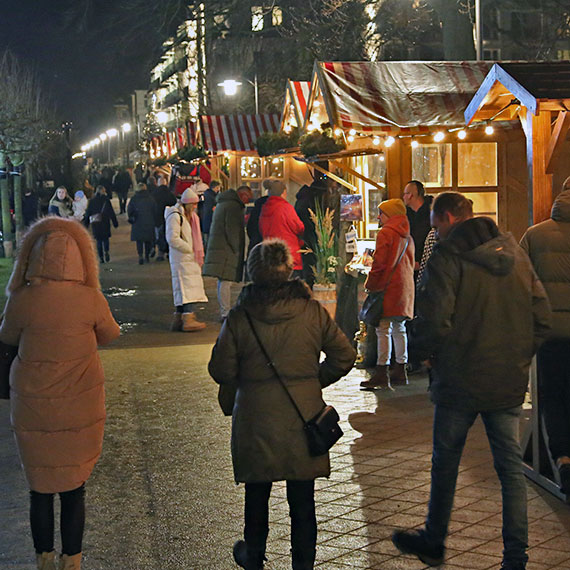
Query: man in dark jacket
{"points": [[418, 212], [208, 205], [163, 197], [122, 183], [253, 231], [226, 244], [548, 246], [482, 313]]}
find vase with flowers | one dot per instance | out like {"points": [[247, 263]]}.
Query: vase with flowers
{"points": [[325, 250]]}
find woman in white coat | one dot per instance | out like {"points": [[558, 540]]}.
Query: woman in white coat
{"points": [[186, 256]]}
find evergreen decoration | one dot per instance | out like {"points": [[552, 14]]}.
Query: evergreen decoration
{"points": [[321, 142], [268, 144], [159, 161], [190, 153]]}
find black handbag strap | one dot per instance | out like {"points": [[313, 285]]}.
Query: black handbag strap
{"points": [[397, 263], [271, 365]]}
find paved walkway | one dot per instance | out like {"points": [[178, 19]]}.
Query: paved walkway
{"points": [[162, 496]]}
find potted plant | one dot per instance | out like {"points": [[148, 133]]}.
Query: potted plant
{"points": [[327, 260]]}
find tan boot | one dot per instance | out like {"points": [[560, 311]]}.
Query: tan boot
{"points": [[176, 325], [379, 380], [191, 324], [70, 562], [46, 561], [398, 375]]}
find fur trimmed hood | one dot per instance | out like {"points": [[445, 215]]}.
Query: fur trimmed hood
{"points": [[58, 249]]}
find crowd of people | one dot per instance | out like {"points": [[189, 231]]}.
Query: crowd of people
{"points": [[461, 299]]}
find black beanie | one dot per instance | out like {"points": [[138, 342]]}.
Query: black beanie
{"points": [[270, 262]]}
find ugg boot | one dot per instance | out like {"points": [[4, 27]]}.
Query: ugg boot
{"points": [[379, 380], [190, 323], [70, 562], [176, 324], [398, 375], [46, 561]]}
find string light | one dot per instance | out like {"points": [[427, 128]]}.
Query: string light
{"points": [[381, 157], [376, 141], [489, 130], [439, 136], [415, 143], [389, 142], [461, 134], [352, 132], [338, 132], [350, 138]]}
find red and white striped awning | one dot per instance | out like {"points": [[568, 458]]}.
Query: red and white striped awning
{"points": [[235, 132], [296, 100], [380, 97]]}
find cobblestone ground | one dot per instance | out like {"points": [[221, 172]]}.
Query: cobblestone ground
{"points": [[163, 497]]}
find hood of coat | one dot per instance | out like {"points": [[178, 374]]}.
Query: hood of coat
{"points": [[561, 207], [274, 204], [274, 304], [229, 196], [56, 249], [399, 224], [479, 241]]}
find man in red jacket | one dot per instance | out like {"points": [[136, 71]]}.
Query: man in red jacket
{"points": [[279, 220]]}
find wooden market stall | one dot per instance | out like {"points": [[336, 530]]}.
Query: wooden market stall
{"points": [[295, 104], [403, 121], [536, 94]]}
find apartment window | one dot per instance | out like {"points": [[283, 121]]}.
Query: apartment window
{"points": [[276, 16], [492, 54], [257, 18]]}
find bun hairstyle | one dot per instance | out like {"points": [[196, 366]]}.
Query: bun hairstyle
{"points": [[270, 262]]}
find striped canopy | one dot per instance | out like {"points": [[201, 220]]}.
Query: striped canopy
{"points": [[400, 97], [296, 100], [235, 132]]}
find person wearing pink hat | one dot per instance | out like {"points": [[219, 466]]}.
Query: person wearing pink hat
{"points": [[186, 256]]}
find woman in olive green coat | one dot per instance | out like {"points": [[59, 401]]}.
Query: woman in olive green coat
{"points": [[268, 441]]}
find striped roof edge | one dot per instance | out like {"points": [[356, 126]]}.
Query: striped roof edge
{"points": [[297, 95]]}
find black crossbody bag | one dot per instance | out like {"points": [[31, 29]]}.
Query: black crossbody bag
{"points": [[322, 431]]}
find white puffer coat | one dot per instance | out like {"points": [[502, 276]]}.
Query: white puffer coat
{"points": [[187, 284]]}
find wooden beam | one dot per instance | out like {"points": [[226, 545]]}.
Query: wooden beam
{"points": [[338, 179], [540, 182], [357, 174], [557, 139]]}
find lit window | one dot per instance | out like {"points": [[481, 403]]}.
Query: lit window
{"points": [[256, 18], [276, 16], [477, 164], [431, 163]]}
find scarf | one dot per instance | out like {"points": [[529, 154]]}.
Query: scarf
{"points": [[197, 243]]}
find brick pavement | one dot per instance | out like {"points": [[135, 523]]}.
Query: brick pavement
{"points": [[162, 496]]}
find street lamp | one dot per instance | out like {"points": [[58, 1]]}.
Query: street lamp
{"points": [[125, 129], [230, 87]]}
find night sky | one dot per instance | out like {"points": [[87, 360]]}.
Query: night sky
{"points": [[77, 49]]}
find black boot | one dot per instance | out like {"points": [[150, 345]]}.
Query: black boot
{"points": [[246, 559]]}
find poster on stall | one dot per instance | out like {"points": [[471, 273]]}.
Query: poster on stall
{"points": [[351, 207]]}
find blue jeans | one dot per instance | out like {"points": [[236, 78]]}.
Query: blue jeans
{"points": [[450, 428]]}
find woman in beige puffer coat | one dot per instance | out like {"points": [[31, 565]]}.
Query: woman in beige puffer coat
{"points": [[57, 316]]}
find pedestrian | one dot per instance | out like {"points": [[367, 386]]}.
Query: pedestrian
{"points": [[279, 220], [226, 250], [418, 212], [122, 183], [30, 205], [186, 256], [208, 205], [163, 198], [482, 313], [548, 246], [79, 205], [61, 204], [253, 231], [56, 315], [99, 215], [268, 440], [141, 213], [392, 271]]}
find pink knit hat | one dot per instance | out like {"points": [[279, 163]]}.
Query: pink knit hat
{"points": [[189, 197]]}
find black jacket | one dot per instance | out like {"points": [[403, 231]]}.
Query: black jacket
{"points": [[100, 204], [253, 231], [420, 225], [208, 203], [482, 313], [163, 197]]}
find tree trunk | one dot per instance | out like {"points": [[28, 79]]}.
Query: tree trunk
{"points": [[458, 42], [6, 219], [18, 206]]}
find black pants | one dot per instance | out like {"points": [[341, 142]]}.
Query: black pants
{"points": [[102, 247], [147, 247], [122, 202], [554, 394], [72, 520], [301, 499]]}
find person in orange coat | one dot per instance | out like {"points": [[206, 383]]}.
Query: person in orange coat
{"points": [[398, 304], [57, 315]]}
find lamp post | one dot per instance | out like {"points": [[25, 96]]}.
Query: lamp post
{"points": [[126, 129], [230, 87], [478, 26], [110, 134]]}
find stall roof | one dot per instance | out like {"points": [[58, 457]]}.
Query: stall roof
{"points": [[537, 85], [296, 94], [235, 132], [397, 96]]}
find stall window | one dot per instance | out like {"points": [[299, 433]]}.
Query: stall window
{"points": [[431, 163], [251, 171], [477, 164], [274, 167], [484, 203], [372, 166]]}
